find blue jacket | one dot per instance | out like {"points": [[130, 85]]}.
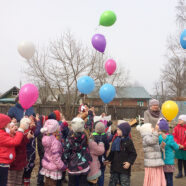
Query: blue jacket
{"points": [[170, 147], [17, 112]]}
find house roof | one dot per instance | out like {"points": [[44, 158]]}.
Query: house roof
{"points": [[7, 100], [125, 93], [7, 92]]}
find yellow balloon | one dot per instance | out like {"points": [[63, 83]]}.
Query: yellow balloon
{"points": [[169, 110]]}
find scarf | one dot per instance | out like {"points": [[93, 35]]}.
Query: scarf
{"points": [[155, 114], [116, 145]]}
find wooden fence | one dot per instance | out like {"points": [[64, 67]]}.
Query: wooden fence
{"points": [[115, 111]]}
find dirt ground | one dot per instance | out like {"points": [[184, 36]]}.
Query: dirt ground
{"points": [[136, 180]]}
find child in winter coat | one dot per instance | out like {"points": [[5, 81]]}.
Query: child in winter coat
{"points": [[168, 147], [100, 136], [7, 146], [122, 156], [52, 165], [76, 154], [179, 134], [97, 149], [34, 127], [154, 174], [15, 173]]}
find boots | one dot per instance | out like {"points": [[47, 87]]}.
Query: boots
{"points": [[179, 175]]}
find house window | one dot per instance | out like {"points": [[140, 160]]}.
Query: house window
{"points": [[14, 92], [140, 103]]}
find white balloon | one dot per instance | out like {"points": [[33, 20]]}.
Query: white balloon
{"points": [[26, 49]]}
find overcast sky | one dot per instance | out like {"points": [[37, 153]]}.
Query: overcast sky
{"points": [[137, 40]]}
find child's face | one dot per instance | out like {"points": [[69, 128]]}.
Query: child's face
{"points": [[119, 132], [13, 129], [181, 122]]}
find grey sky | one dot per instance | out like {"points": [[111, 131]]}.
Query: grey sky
{"points": [[137, 40]]}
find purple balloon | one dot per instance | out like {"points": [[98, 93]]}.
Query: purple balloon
{"points": [[99, 42]]}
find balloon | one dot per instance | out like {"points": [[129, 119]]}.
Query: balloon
{"points": [[107, 93], [183, 39], [85, 84], [99, 42], [110, 66], [28, 95], [108, 18], [169, 110], [26, 49]]}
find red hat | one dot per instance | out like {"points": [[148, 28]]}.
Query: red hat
{"points": [[4, 120], [57, 113]]}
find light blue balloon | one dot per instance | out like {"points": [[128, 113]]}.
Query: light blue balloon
{"points": [[85, 84], [183, 39], [107, 93]]}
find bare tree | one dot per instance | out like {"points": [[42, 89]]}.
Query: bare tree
{"points": [[58, 68], [173, 73]]}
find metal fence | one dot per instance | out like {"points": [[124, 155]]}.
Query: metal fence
{"points": [[115, 111]]}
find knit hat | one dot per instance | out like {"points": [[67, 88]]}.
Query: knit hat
{"points": [[25, 121], [153, 102], [163, 125], [77, 125], [182, 117], [50, 126], [125, 128], [52, 116], [145, 128], [4, 120], [58, 114], [100, 128]]}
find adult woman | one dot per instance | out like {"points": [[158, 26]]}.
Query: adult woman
{"points": [[153, 113]]}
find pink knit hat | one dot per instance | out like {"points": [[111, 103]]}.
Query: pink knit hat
{"points": [[50, 126]]}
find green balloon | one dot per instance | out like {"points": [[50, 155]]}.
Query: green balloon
{"points": [[108, 18]]}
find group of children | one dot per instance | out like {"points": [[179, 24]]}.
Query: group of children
{"points": [[83, 149]]}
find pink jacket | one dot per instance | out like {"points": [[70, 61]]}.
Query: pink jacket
{"points": [[53, 152], [95, 151]]}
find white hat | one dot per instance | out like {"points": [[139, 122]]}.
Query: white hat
{"points": [[182, 117], [77, 125]]}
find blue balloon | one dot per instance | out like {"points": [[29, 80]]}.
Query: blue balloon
{"points": [[85, 84], [183, 39], [107, 93]]}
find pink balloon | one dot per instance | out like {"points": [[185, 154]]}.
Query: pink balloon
{"points": [[110, 66], [28, 95]]}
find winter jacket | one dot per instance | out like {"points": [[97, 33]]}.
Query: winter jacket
{"points": [[102, 138], [152, 153], [90, 121], [179, 134], [148, 118], [76, 153], [7, 146], [31, 146], [17, 112], [126, 154], [52, 156], [96, 149], [21, 157], [170, 147]]}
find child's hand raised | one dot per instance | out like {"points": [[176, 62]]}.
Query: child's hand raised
{"points": [[126, 165], [106, 162], [30, 135]]}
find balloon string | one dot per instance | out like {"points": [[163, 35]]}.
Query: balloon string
{"points": [[106, 108], [24, 112], [84, 98]]}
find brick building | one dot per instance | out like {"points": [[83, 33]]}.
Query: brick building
{"points": [[125, 96]]}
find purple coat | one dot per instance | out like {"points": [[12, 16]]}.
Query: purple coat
{"points": [[53, 152]]}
